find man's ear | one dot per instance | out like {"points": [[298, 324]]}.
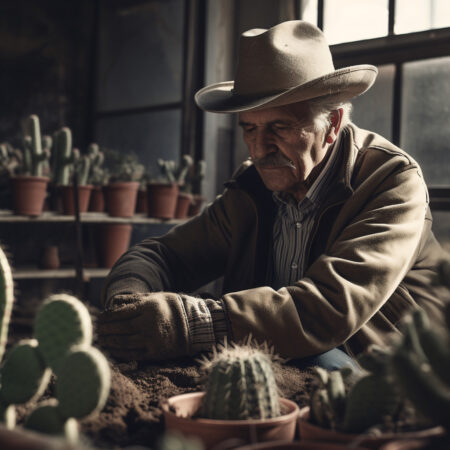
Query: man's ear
{"points": [[336, 120]]}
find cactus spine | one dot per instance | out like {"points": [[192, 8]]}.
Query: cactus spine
{"points": [[241, 385]]}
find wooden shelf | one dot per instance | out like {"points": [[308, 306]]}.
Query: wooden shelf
{"points": [[89, 217], [35, 273]]}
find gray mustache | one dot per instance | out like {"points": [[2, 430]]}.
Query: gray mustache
{"points": [[273, 160]]}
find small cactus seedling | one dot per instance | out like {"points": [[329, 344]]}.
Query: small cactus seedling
{"points": [[369, 401], [61, 322], [240, 385]]}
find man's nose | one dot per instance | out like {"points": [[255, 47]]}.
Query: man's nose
{"points": [[263, 142]]}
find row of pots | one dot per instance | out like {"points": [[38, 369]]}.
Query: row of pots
{"points": [[122, 199], [279, 432]]}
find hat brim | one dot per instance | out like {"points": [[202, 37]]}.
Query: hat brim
{"points": [[340, 85]]}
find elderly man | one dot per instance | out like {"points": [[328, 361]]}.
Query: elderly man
{"points": [[323, 237]]}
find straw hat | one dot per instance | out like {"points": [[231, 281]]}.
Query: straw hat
{"points": [[287, 63]]}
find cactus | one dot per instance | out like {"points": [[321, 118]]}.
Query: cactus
{"points": [[195, 177], [35, 159], [421, 364], [241, 385], [64, 158], [11, 159], [97, 172], [6, 299], [369, 402], [24, 374], [62, 321]]}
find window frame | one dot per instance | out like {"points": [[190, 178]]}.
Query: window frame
{"points": [[394, 49]]}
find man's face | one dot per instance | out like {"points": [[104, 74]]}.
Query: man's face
{"points": [[284, 146]]}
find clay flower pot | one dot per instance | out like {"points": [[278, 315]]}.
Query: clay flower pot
{"points": [[68, 203], [115, 240], [121, 198], [162, 200], [28, 194], [196, 205], [178, 412], [311, 432], [97, 200], [141, 204], [184, 201], [50, 258]]}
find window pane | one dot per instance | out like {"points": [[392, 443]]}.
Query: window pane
{"points": [[140, 53], [425, 131], [423, 15], [150, 136], [309, 11], [441, 228], [373, 110], [354, 20]]}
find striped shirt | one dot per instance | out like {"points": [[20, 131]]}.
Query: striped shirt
{"points": [[294, 224]]}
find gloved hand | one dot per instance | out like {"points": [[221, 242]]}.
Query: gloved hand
{"points": [[149, 326]]}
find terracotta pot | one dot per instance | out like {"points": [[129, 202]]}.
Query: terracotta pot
{"points": [[302, 445], [29, 194], [115, 241], [121, 198], [311, 432], [50, 258], [141, 204], [68, 203], [184, 201], [196, 205], [97, 200], [232, 432], [162, 200]]}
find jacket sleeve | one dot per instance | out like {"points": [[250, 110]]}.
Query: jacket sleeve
{"points": [[378, 234], [154, 265]]}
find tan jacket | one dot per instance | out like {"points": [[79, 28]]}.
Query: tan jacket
{"points": [[370, 259]]}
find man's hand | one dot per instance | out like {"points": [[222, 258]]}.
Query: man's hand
{"points": [[145, 327]]}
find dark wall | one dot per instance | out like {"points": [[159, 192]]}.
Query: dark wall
{"points": [[46, 65]]}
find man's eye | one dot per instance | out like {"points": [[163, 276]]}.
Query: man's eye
{"points": [[280, 127], [249, 129]]}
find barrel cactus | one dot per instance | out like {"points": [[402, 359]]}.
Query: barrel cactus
{"points": [[367, 402], [240, 385]]}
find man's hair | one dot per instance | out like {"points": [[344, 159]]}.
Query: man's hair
{"points": [[321, 110]]}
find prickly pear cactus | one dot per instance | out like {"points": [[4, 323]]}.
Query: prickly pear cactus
{"points": [[47, 418], [241, 385], [6, 299], [62, 322], [24, 374], [83, 382]]}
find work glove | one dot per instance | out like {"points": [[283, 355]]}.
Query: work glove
{"points": [[149, 326]]}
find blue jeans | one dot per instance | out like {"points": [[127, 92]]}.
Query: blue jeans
{"points": [[331, 360]]}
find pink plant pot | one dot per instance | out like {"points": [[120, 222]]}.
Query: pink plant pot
{"points": [[29, 194], [178, 412], [121, 198]]}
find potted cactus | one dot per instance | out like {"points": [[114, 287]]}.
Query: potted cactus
{"points": [[29, 186], [121, 191], [98, 178], [67, 162], [162, 192], [241, 403], [185, 197], [197, 199], [361, 408]]}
